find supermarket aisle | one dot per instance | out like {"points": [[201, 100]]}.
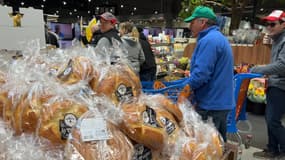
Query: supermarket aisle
{"points": [[259, 136]]}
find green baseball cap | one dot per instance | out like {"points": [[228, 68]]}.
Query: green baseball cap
{"points": [[202, 12]]}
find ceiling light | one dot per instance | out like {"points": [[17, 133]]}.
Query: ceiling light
{"points": [[88, 12], [186, 9], [135, 8], [22, 3], [155, 12], [122, 6], [64, 3], [75, 10], [261, 9], [70, 13], [111, 10], [44, 0], [42, 6], [89, 0], [132, 13], [97, 8]]}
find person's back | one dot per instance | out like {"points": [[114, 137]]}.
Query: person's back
{"points": [[216, 61], [130, 39], [148, 68]]}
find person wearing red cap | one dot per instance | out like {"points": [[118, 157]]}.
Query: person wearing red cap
{"points": [[275, 93], [108, 31]]}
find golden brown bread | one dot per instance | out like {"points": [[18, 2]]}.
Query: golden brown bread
{"points": [[6, 107], [152, 127], [26, 115], [167, 104], [57, 119], [119, 84], [118, 147], [75, 70]]}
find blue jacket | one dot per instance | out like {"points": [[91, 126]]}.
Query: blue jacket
{"points": [[211, 71]]}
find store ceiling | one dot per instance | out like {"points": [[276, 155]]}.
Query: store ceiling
{"points": [[94, 7], [89, 8]]}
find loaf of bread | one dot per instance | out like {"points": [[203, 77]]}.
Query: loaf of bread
{"points": [[76, 69], [57, 119], [118, 147], [166, 103], [27, 113], [119, 84], [150, 126]]}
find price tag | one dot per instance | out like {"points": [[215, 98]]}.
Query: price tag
{"points": [[94, 129]]}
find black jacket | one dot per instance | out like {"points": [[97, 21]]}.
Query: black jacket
{"points": [[149, 56], [113, 33]]}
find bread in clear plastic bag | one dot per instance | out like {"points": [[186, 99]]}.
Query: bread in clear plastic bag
{"points": [[148, 124], [58, 118], [116, 146]]}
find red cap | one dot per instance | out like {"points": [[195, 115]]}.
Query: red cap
{"points": [[109, 17], [276, 15]]}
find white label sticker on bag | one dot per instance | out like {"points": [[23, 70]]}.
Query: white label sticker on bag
{"points": [[94, 129]]}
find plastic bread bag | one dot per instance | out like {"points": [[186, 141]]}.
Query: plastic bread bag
{"points": [[118, 82], [76, 69], [25, 147], [94, 137], [29, 147], [166, 103], [148, 124], [202, 132]]}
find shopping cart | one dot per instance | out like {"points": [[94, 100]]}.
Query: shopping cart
{"points": [[241, 82], [170, 89]]}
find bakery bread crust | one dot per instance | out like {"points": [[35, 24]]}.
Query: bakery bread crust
{"points": [[152, 127], [76, 69], [54, 118], [118, 147], [167, 104], [27, 113], [119, 86], [6, 107]]}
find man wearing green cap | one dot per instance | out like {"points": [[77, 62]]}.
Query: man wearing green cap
{"points": [[211, 74]]}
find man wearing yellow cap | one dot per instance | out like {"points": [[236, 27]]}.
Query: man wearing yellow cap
{"points": [[211, 70], [275, 93]]}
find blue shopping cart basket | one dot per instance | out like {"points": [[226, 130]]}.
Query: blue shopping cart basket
{"points": [[171, 89], [241, 82]]}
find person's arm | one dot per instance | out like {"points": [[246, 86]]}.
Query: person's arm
{"points": [[204, 66], [275, 68]]}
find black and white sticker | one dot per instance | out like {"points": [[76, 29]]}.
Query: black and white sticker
{"points": [[66, 125], [124, 93], [142, 152], [149, 117], [168, 125]]}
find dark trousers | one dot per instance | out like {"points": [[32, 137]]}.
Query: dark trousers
{"points": [[219, 118], [275, 109]]}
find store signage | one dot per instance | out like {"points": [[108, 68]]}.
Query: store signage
{"points": [[24, 26]]}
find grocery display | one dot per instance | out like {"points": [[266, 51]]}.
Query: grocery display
{"points": [[87, 112]]}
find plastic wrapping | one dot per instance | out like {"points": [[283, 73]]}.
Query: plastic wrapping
{"points": [[118, 82], [26, 147], [197, 140], [97, 138], [76, 69], [148, 123]]}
